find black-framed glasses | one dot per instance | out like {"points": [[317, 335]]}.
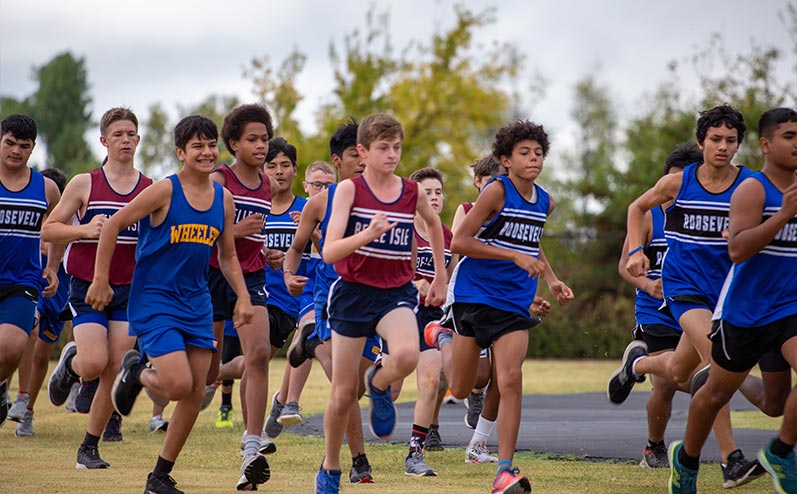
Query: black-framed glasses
{"points": [[318, 185]]}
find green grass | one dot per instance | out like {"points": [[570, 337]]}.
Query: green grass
{"points": [[210, 461]]}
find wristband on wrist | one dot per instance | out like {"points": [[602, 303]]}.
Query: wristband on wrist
{"points": [[636, 250]]}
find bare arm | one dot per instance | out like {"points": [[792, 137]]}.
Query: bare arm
{"points": [[55, 252], [459, 215], [231, 268], [59, 228], [337, 246], [747, 235], [465, 243], [666, 189], [308, 223], [653, 288], [434, 228]]}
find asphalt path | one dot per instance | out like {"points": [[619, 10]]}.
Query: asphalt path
{"points": [[581, 425]]}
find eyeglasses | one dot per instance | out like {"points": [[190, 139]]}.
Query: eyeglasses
{"points": [[318, 185]]}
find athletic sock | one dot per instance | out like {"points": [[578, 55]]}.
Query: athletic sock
{"points": [[251, 444], [417, 439], [226, 399], [781, 449], [503, 466], [690, 462], [358, 460], [483, 430], [653, 444], [163, 466], [90, 440], [22, 393]]}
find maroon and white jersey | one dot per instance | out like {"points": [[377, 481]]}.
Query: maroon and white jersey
{"points": [[247, 202], [387, 261], [424, 262], [103, 200]]}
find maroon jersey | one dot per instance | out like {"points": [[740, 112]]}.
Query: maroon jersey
{"points": [[424, 262], [103, 200], [387, 261], [247, 201], [467, 206]]}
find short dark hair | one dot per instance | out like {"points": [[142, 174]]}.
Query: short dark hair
{"points": [[117, 114], [682, 156], [236, 120], [195, 125], [514, 132], [427, 172], [770, 120], [56, 176], [722, 115], [277, 145], [378, 126], [344, 137], [20, 126]]}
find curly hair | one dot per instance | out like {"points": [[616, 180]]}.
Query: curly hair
{"points": [[520, 130], [236, 120], [719, 116]]}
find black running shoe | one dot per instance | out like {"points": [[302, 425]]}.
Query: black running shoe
{"points": [[88, 457], [475, 403], [297, 352], [85, 395], [433, 441], [360, 472], [623, 379], [740, 470], [161, 483], [126, 386], [62, 378], [4, 405], [113, 429], [655, 457]]}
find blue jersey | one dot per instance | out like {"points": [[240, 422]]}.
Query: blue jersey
{"points": [[697, 260], [170, 282], [503, 284], [279, 233], [325, 274], [647, 307], [761, 289], [21, 217]]}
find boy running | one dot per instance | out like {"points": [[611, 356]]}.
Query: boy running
{"points": [[182, 218]]}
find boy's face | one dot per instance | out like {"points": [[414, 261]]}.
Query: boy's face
{"points": [[719, 146], [14, 153], [317, 181], [281, 168], [200, 154], [434, 192], [384, 154], [121, 138], [349, 164], [252, 147], [526, 160], [781, 148]]}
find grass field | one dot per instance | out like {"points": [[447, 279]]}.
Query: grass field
{"points": [[210, 461]]}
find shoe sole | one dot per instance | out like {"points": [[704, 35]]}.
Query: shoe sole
{"points": [[366, 480], [61, 359], [80, 466], [290, 420], [424, 474], [268, 448], [632, 346], [258, 472]]}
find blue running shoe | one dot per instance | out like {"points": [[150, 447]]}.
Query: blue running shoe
{"points": [[327, 481], [682, 480], [782, 470], [382, 416]]}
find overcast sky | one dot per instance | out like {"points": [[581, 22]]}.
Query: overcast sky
{"points": [[180, 51]]}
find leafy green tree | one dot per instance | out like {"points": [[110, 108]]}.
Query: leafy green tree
{"points": [[155, 156], [60, 107]]}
